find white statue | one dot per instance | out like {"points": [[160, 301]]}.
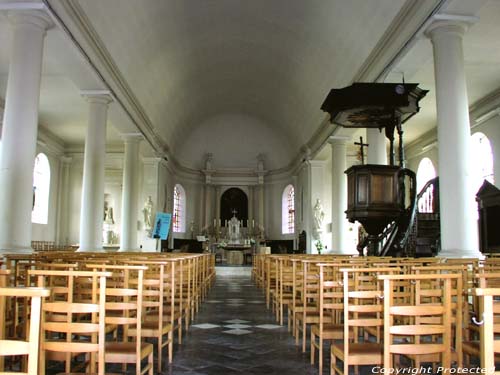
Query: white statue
{"points": [[148, 213], [319, 216], [108, 213]]}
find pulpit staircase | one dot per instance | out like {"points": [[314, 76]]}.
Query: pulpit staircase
{"points": [[416, 232]]}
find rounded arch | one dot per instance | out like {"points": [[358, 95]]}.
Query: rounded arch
{"points": [[425, 172], [41, 189], [482, 160], [179, 210], [288, 210], [234, 201]]}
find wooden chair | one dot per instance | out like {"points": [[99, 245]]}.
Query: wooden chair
{"points": [[330, 300], [420, 329], [363, 319], [70, 326], [489, 327], [158, 290], [309, 313], [124, 309], [30, 346], [487, 318]]}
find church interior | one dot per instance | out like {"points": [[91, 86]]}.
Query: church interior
{"points": [[300, 186]]}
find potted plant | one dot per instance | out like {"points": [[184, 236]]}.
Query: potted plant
{"points": [[319, 246]]}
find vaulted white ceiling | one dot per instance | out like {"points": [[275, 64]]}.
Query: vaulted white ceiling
{"points": [[178, 67]]}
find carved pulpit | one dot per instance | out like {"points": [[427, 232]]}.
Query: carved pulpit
{"points": [[376, 193]]}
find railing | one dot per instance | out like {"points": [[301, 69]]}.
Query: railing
{"points": [[428, 197]]}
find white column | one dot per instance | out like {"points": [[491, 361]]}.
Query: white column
{"points": [[339, 197], [130, 194], [261, 207], [208, 204], [91, 214], [377, 149], [458, 223], [20, 126], [63, 200]]}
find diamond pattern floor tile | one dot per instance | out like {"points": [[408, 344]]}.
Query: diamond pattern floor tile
{"points": [[205, 326], [238, 332], [237, 326], [236, 321]]}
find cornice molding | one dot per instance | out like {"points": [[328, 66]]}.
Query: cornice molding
{"points": [[398, 39], [80, 31]]}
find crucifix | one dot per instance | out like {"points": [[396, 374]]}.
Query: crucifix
{"points": [[234, 212], [361, 147]]}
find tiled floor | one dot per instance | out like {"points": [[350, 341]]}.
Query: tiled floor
{"points": [[234, 333]]}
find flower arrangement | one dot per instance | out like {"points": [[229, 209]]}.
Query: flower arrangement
{"points": [[221, 244], [319, 246], [252, 241]]}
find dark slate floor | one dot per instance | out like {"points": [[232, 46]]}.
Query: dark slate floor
{"points": [[234, 333]]}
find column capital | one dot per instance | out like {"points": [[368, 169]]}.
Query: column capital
{"points": [[338, 140], [29, 17], [131, 137], [97, 96], [450, 24]]}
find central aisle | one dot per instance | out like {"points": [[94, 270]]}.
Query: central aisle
{"points": [[234, 333]]}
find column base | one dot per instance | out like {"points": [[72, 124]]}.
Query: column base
{"points": [[91, 250], [15, 250], [460, 253]]}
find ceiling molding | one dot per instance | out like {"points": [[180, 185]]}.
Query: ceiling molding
{"points": [[398, 38], [80, 31]]}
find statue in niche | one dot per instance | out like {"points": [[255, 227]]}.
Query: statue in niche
{"points": [[208, 161], [319, 216], [108, 213], [148, 213]]}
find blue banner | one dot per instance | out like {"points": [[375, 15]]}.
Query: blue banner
{"points": [[162, 225]]}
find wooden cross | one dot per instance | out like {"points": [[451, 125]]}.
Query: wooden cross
{"points": [[361, 146]]}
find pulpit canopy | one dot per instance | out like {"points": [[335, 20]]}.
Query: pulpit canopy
{"points": [[372, 105]]}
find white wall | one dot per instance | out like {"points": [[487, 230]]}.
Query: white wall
{"points": [[234, 141]]}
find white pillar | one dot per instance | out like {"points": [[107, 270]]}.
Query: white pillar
{"points": [[63, 200], [458, 223], [261, 207], [91, 214], [20, 127], [130, 194], [339, 197], [208, 204], [377, 149]]}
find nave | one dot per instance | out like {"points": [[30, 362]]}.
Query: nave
{"points": [[234, 333]]}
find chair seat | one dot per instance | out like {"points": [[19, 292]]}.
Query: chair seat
{"points": [[150, 329], [124, 352], [330, 331], [361, 353]]}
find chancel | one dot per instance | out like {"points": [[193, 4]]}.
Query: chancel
{"points": [[240, 124]]}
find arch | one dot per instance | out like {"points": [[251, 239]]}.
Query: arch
{"points": [[425, 172], [41, 190], [288, 210], [179, 210], [481, 160], [234, 199]]}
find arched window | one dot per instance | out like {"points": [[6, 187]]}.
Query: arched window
{"points": [[288, 210], [425, 172], [482, 161], [41, 189], [179, 216]]}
